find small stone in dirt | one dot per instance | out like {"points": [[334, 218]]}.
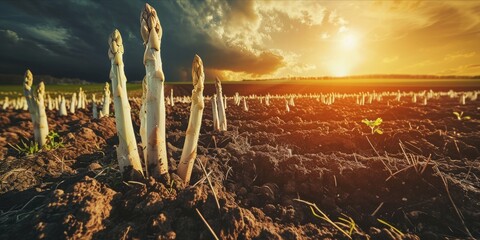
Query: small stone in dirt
{"points": [[70, 136], [87, 133], [269, 209], [242, 191], [58, 193], [171, 235], [162, 218], [40, 162], [94, 166]]}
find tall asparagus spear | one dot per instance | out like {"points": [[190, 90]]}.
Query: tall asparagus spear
{"points": [[155, 97], [36, 107], [127, 153], [189, 152]]}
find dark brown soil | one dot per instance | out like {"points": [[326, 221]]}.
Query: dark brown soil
{"points": [[267, 159]]}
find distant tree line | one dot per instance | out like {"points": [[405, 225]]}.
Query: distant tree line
{"points": [[15, 79], [372, 76]]}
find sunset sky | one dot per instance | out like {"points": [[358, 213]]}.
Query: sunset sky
{"points": [[240, 39]]}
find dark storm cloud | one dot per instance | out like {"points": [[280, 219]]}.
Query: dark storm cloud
{"points": [[69, 39]]}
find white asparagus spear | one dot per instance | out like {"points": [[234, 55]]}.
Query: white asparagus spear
{"points": [[36, 107], [216, 122], [222, 118], [189, 152], [94, 107], [155, 97], [106, 101], [127, 152]]}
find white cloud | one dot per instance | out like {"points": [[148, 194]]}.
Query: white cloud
{"points": [[10, 35], [51, 34]]}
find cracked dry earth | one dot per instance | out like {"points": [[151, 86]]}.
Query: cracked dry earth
{"points": [[420, 178]]}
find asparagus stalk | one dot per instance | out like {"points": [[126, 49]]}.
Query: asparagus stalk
{"points": [[94, 107], [5, 104], [462, 99], [143, 122], [62, 110], [79, 101], [24, 104], [216, 122], [151, 32], [222, 118], [55, 104], [36, 107], [106, 101], [73, 102], [127, 153], [189, 152], [84, 100], [225, 103], [49, 103]]}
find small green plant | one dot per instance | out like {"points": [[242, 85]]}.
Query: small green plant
{"points": [[26, 148], [460, 116], [374, 125], [53, 141]]}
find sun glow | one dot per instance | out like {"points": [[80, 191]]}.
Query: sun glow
{"points": [[339, 70], [349, 41], [345, 55]]}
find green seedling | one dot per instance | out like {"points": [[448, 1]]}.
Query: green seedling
{"points": [[26, 148], [460, 116], [374, 125], [53, 141]]}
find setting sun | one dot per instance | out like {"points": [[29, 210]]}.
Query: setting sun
{"points": [[349, 41]]}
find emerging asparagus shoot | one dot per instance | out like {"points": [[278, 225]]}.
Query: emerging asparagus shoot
{"points": [[189, 152], [36, 107]]}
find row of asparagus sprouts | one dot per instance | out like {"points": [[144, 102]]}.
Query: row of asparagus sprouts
{"points": [[152, 112]]}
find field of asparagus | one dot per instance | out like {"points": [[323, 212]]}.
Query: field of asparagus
{"points": [[238, 161], [279, 166]]}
